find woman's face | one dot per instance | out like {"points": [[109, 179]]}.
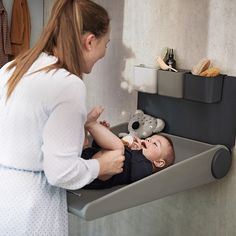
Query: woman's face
{"points": [[94, 49]]}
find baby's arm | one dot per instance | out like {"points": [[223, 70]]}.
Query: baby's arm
{"points": [[103, 136]]}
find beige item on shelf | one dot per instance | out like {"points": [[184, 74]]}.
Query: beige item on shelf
{"points": [[163, 65], [201, 66], [211, 72], [164, 53]]}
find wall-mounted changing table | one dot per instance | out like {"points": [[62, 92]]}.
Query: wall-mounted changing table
{"points": [[197, 162]]}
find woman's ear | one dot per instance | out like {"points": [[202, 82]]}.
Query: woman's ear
{"points": [[88, 40], [160, 163]]}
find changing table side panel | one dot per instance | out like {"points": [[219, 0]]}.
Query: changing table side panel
{"points": [[184, 175]]}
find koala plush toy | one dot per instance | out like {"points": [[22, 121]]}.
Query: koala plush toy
{"points": [[142, 125]]}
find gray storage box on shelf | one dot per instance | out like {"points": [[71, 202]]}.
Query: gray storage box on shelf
{"points": [[203, 89], [171, 83]]}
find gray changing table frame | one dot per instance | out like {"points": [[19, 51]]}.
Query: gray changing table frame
{"points": [[193, 167], [197, 162]]}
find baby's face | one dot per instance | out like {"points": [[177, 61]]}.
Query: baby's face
{"points": [[155, 147]]}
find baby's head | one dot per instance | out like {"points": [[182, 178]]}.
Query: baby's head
{"points": [[159, 150]]}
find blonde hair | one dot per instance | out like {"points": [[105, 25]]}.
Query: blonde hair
{"points": [[69, 20]]}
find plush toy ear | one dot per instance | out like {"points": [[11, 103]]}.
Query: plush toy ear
{"points": [[160, 126], [138, 112]]}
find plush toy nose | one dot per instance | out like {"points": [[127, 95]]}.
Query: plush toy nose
{"points": [[135, 125]]}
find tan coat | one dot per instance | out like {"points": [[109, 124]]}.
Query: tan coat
{"points": [[20, 27], [5, 46]]}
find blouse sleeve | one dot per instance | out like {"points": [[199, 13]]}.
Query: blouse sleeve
{"points": [[63, 137]]}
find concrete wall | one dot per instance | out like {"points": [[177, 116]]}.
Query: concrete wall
{"points": [[140, 29]]}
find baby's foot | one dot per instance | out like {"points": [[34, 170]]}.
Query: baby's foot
{"points": [[93, 115]]}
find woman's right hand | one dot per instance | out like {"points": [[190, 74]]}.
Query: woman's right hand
{"points": [[111, 163]]}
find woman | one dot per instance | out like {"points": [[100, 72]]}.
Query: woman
{"points": [[42, 117]]}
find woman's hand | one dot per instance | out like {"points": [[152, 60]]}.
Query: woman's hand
{"points": [[111, 163], [86, 143]]}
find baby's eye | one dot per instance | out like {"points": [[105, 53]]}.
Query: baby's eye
{"points": [[157, 144]]}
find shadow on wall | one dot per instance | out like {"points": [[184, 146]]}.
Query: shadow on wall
{"points": [[192, 31], [120, 99], [182, 25], [118, 53], [104, 80]]}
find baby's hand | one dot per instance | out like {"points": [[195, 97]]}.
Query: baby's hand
{"points": [[136, 145], [93, 115]]}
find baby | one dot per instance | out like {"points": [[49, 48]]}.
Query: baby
{"points": [[142, 158]]}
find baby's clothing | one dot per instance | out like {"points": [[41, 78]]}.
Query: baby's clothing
{"points": [[136, 166]]}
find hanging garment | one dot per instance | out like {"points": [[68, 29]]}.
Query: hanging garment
{"points": [[5, 46], [20, 27]]}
